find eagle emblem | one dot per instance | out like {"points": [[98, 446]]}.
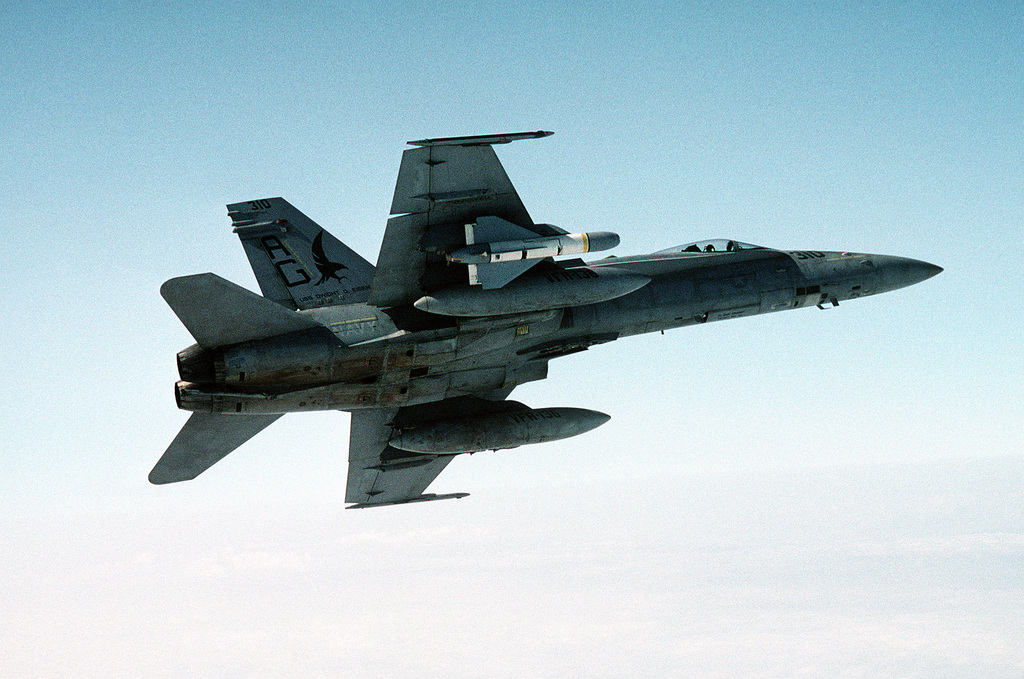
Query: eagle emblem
{"points": [[326, 267]]}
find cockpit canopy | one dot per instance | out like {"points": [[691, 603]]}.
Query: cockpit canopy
{"points": [[714, 245]]}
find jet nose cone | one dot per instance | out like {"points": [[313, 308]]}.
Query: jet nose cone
{"points": [[915, 271], [931, 270], [902, 271]]}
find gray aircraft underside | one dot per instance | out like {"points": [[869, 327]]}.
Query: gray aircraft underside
{"points": [[466, 301]]}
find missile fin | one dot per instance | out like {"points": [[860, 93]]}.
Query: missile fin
{"points": [[492, 230], [494, 276], [495, 229]]}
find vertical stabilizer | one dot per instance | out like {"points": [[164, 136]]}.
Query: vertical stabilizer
{"points": [[296, 262]]}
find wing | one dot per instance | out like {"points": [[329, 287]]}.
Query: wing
{"points": [[379, 474], [442, 186]]}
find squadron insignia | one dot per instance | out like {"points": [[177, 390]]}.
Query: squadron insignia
{"points": [[326, 267]]}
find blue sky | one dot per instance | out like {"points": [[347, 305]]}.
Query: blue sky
{"points": [[799, 493]]}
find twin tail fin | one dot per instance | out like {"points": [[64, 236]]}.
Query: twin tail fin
{"points": [[298, 266], [296, 262]]}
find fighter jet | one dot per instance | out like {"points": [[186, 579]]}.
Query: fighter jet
{"points": [[469, 298]]}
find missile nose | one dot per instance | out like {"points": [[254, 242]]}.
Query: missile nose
{"points": [[601, 240]]}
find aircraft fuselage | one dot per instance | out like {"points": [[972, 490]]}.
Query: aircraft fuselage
{"points": [[365, 357]]}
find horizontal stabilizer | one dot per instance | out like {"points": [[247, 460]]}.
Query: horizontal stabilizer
{"points": [[218, 313], [204, 440]]}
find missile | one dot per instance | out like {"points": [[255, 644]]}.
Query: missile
{"points": [[493, 431], [548, 290], [535, 248], [481, 139]]}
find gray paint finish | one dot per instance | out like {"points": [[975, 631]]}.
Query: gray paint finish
{"points": [[416, 348]]}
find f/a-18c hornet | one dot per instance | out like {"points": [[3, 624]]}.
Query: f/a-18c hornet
{"points": [[467, 301]]}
